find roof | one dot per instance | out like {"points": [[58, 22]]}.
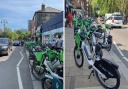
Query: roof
{"points": [[48, 9], [54, 23]]}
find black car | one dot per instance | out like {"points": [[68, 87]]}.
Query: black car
{"points": [[16, 43], [5, 46]]}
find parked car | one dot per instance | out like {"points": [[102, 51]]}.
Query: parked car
{"points": [[115, 21], [5, 46], [16, 43], [22, 43]]}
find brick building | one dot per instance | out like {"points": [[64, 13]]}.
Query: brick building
{"points": [[41, 17], [30, 26], [81, 4]]}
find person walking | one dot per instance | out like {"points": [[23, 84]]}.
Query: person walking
{"points": [[70, 19]]}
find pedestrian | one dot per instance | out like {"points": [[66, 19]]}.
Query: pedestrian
{"points": [[70, 18], [59, 43]]}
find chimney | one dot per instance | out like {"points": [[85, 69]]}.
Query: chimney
{"points": [[43, 7]]}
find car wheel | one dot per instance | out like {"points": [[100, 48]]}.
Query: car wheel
{"points": [[120, 26]]}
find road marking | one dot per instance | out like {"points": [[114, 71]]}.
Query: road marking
{"points": [[98, 87], [36, 84], [122, 67], [125, 58], [18, 71]]}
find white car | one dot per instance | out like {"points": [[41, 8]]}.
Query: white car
{"points": [[115, 21]]}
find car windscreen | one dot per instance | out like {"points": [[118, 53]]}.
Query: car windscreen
{"points": [[16, 41], [4, 41], [118, 18]]}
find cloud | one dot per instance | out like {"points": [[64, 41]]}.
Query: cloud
{"points": [[18, 12]]}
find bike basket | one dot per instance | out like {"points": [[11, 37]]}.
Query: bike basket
{"points": [[39, 56], [106, 67]]}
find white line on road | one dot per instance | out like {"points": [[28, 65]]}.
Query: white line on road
{"points": [[120, 52], [18, 71], [97, 87]]}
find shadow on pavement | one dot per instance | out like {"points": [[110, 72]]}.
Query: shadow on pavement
{"points": [[119, 44]]}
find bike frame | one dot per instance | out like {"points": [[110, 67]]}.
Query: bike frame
{"points": [[91, 61], [56, 83]]}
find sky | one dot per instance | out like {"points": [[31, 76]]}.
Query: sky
{"points": [[18, 12]]}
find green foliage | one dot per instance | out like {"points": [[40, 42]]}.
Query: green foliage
{"points": [[19, 34], [110, 6]]}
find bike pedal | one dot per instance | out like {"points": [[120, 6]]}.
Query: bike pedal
{"points": [[92, 72]]}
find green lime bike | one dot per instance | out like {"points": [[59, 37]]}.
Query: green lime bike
{"points": [[51, 54], [87, 46], [81, 32]]}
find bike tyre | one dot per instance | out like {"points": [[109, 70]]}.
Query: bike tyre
{"points": [[82, 59], [106, 87], [33, 71], [43, 83], [109, 47]]}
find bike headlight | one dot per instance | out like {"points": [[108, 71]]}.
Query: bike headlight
{"points": [[4, 47]]}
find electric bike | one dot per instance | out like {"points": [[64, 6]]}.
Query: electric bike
{"points": [[53, 78], [78, 36], [106, 38], [55, 57], [87, 46]]}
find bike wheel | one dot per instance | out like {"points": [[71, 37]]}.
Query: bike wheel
{"points": [[109, 83], [109, 40], [47, 83], [78, 56], [37, 71], [109, 47]]}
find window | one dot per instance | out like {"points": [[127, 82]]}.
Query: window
{"points": [[118, 18]]}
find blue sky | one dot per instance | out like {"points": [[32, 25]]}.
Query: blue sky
{"points": [[18, 12]]}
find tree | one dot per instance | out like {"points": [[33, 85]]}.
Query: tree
{"points": [[14, 36], [22, 34], [123, 6], [105, 6], [7, 33]]}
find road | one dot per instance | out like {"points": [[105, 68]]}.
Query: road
{"points": [[8, 71], [120, 36], [77, 78]]}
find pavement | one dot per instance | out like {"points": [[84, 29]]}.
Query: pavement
{"points": [[77, 78], [125, 26]]}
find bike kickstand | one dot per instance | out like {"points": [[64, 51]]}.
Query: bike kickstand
{"points": [[92, 72]]}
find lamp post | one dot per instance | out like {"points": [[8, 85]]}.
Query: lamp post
{"points": [[4, 22]]}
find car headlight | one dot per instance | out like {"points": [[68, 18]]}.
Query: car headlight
{"points": [[4, 47]]}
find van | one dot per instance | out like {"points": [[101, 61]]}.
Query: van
{"points": [[115, 21]]}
